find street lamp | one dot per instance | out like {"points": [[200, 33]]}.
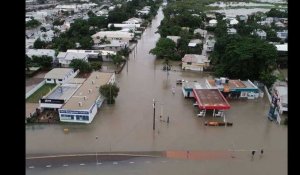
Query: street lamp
{"points": [[153, 114], [96, 151]]}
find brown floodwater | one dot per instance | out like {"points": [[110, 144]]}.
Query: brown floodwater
{"points": [[127, 125]]}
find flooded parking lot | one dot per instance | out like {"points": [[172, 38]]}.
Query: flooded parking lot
{"points": [[127, 125]]}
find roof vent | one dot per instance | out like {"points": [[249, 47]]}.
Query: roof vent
{"points": [[96, 76], [92, 81], [90, 91], [80, 103], [84, 97]]}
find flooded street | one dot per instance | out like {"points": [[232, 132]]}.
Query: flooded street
{"points": [[127, 125]]}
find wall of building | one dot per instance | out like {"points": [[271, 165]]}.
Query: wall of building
{"points": [[193, 66], [74, 116]]}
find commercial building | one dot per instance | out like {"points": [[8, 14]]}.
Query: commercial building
{"points": [[83, 105], [235, 88]]}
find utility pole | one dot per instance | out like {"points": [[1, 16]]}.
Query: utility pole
{"points": [[153, 114]]}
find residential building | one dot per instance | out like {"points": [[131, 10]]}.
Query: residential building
{"points": [[231, 31], [59, 75], [65, 58], [260, 33], [41, 52], [174, 38], [105, 55], [212, 23], [202, 32], [194, 62], [125, 26], [233, 22], [282, 34], [210, 45], [114, 45], [133, 21], [112, 35], [281, 94], [194, 42]]}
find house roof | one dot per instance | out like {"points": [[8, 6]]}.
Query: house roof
{"points": [[40, 52], [201, 31], [58, 73], [174, 38], [213, 21], [282, 47], [194, 58], [231, 30], [233, 22], [116, 34]]}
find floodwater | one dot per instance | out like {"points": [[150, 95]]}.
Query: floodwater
{"points": [[127, 125]]}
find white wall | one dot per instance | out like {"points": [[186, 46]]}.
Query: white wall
{"points": [[49, 105], [35, 89]]}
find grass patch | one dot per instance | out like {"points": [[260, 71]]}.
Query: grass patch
{"points": [[37, 95]]}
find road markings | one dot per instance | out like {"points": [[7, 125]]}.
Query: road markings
{"points": [[65, 165], [48, 166], [82, 164], [131, 162], [115, 163], [99, 163], [31, 167]]}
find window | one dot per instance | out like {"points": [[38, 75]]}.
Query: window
{"points": [[59, 79], [48, 79], [189, 63], [82, 117]]}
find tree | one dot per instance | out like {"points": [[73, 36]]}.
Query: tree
{"points": [[39, 44], [41, 1], [267, 78], [86, 42], [91, 14], [109, 91], [43, 29], [277, 13], [165, 47], [117, 59], [96, 66], [32, 24], [28, 62], [58, 22], [246, 58], [43, 61], [82, 65]]}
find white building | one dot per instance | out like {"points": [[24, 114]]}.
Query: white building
{"points": [[212, 23], [104, 54], [84, 104], [41, 52], [282, 47], [194, 42], [114, 45], [112, 35], [59, 75], [174, 38], [125, 26], [210, 45], [65, 58], [133, 21], [194, 62], [260, 33], [231, 31], [69, 8], [46, 36], [202, 32], [282, 35], [233, 22], [281, 92]]}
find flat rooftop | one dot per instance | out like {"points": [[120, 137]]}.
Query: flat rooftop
{"points": [[63, 92], [232, 84], [89, 90], [210, 99], [76, 80]]}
